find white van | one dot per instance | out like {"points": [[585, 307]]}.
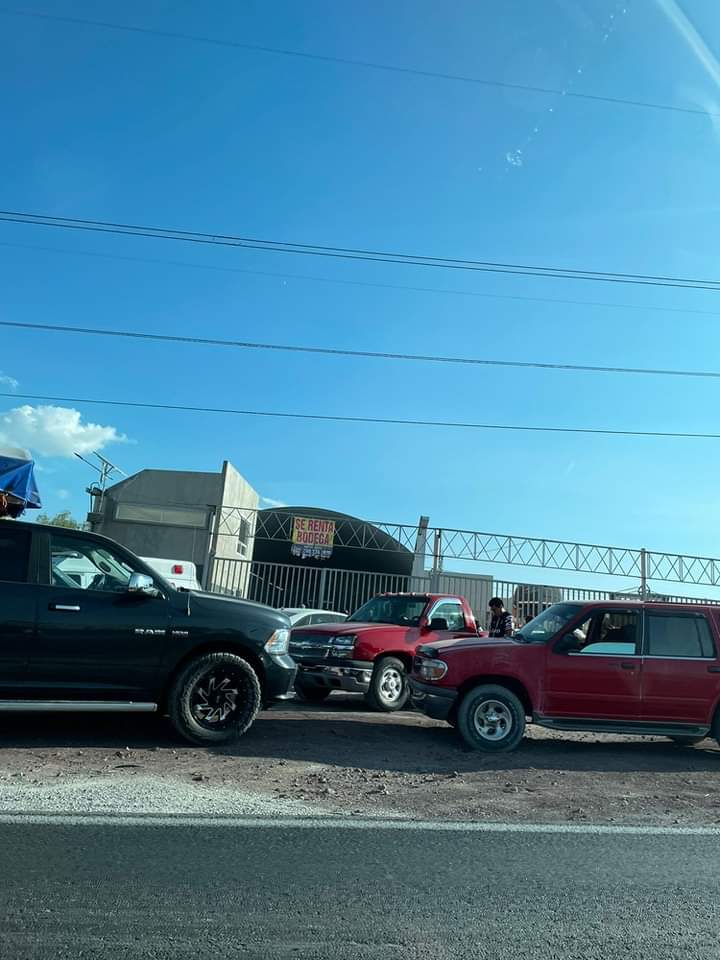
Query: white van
{"points": [[180, 573]]}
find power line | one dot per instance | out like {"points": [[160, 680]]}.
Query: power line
{"points": [[605, 304], [352, 62], [351, 253], [338, 418], [358, 354]]}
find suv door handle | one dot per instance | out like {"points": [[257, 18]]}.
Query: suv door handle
{"points": [[715, 669], [627, 665], [66, 607]]}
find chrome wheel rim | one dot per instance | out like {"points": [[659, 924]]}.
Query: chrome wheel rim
{"points": [[493, 720], [391, 684], [215, 699]]}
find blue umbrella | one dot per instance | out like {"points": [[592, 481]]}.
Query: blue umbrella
{"points": [[18, 489]]}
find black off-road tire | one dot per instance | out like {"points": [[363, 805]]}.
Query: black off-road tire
{"points": [[491, 718], [389, 688], [686, 741], [236, 688], [310, 693]]}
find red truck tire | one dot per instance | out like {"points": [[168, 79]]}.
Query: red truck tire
{"points": [[389, 689]]}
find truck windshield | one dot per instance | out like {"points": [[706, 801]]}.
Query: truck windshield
{"points": [[403, 611], [546, 624]]}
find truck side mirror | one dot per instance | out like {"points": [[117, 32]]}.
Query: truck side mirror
{"points": [[141, 583], [567, 643], [438, 623]]}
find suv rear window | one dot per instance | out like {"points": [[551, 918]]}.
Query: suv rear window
{"points": [[14, 553], [678, 636]]}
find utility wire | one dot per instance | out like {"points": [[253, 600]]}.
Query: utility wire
{"points": [[337, 418], [361, 354], [310, 278], [351, 253], [352, 62]]}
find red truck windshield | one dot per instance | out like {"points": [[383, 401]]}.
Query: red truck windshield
{"points": [[402, 611]]}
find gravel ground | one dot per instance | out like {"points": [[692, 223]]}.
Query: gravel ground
{"points": [[340, 758]]}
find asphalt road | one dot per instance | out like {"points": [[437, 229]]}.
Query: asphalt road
{"points": [[283, 891]]}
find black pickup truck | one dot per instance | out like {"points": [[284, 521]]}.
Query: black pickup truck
{"points": [[87, 626]]}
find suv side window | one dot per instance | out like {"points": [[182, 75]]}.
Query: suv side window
{"points": [[14, 553], [678, 635], [452, 612], [608, 633], [87, 565]]}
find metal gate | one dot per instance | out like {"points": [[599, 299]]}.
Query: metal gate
{"points": [[292, 585]]}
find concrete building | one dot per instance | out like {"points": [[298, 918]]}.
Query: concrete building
{"points": [[178, 515]]}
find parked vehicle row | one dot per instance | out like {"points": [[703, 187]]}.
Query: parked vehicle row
{"points": [[87, 626]]}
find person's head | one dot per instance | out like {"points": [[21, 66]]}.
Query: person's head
{"points": [[496, 606]]}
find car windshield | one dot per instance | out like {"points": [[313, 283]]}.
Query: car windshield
{"points": [[403, 611], [546, 624]]}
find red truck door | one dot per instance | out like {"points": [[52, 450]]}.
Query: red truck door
{"points": [[594, 670], [451, 611], [680, 674]]}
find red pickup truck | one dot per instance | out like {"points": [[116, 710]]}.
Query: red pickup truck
{"points": [[372, 651], [622, 667]]}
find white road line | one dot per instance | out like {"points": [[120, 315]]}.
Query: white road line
{"points": [[343, 823]]}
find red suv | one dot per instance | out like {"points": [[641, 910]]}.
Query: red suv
{"points": [[611, 667]]}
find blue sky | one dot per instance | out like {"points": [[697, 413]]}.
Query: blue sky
{"points": [[142, 129]]}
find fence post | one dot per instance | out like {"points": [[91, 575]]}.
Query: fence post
{"points": [[321, 588], [643, 574]]}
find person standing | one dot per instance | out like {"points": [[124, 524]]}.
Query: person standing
{"points": [[501, 623]]}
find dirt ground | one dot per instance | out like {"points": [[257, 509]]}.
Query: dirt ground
{"points": [[342, 757]]}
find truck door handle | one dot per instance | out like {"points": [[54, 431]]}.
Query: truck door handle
{"points": [[66, 607], [714, 669], [626, 665]]}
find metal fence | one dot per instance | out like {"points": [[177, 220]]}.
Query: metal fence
{"points": [[290, 585]]}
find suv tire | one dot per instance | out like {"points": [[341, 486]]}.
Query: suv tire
{"points": [[491, 718], [214, 698], [685, 741], [311, 694], [389, 688]]}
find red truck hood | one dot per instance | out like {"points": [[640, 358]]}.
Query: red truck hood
{"points": [[344, 627]]}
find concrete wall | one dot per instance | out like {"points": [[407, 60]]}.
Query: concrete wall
{"points": [[176, 488], [238, 502]]}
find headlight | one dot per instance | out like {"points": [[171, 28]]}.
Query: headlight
{"points": [[432, 669], [346, 640], [342, 646], [278, 643]]}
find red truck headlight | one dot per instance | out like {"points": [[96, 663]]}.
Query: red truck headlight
{"points": [[342, 646], [431, 669]]}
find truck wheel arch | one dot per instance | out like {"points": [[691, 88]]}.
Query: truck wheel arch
{"points": [[402, 655], [217, 646]]}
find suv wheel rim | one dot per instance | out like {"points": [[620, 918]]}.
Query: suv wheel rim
{"points": [[391, 685], [214, 700], [493, 720]]}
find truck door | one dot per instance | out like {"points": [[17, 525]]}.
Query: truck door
{"points": [[95, 641], [680, 674], [18, 597], [594, 671]]}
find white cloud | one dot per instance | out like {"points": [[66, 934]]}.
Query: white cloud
{"points": [[54, 431], [62, 494], [269, 502], [7, 381]]}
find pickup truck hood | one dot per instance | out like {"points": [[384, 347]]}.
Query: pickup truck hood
{"points": [[230, 607], [343, 628]]}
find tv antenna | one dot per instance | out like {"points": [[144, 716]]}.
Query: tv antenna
{"points": [[105, 470]]}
